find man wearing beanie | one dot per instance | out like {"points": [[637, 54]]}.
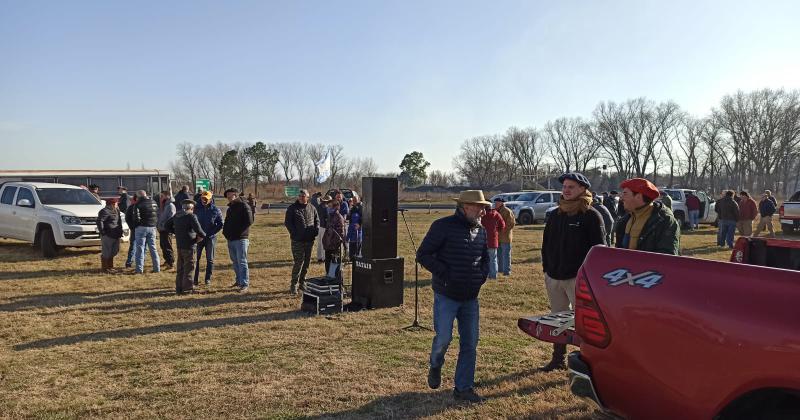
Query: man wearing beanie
{"points": [[569, 234], [648, 225]]}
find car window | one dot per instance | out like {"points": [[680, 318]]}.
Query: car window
{"points": [[675, 195], [25, 193], [8, 195], [527, 197], [543, 198], [701, 195], [55, 196], [795, 197]]}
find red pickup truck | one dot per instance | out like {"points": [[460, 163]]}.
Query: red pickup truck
{"points": [[672, 337]]}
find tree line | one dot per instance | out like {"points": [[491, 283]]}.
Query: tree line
{"points": [[751, 140], [244, 164]]}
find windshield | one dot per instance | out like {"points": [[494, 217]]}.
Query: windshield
{"points": [[55, 196]]}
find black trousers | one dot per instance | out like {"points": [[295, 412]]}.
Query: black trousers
{"points": [[165, 241], [301, 254], [334, 256]]}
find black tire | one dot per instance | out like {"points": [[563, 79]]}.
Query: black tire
{"points": [[787, 228], [526, 218], [48, 243]]}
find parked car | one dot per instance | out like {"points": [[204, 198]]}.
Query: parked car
{"points": [[530, 206], [50, 216], [678, 195], [668, 337], [506, 196], [789, 213]]}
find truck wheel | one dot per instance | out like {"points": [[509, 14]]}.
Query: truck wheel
{"points": [[787, 228], [526, 218], [48, 243]]}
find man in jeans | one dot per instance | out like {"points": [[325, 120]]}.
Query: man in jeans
{"points": [[236, 230], [493, 222], [145, 215], [693, 207], [728, 212], [454, 251], [210, 218], [506, 236], [302, 222]]}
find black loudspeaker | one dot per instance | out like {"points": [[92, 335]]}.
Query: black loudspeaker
{"points": [[379, 208], [378, 283]]}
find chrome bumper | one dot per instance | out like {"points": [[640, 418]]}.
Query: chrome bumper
{"points": [[580, 379]]}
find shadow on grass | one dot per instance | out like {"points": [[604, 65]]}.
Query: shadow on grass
{"points": [[23, 252], [429, 403], [24, 275], [72, 299], [159, 329]]}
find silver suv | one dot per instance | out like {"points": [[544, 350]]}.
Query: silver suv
{"points": [[530, 206]]}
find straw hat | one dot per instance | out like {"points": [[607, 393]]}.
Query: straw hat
{"points": [[472, 197]]}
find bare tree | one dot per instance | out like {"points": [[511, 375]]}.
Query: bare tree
{"points": [[189, 157], [569, 143], [526, 149], [338, 161], [478, 159]]}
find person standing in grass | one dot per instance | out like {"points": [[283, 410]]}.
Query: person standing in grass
{"points": [[210, 218], [728, 212], [693, 207], [647, 225], [188, 233], [109, 224], [166, 211], [145, 216], [766, 209], [333, 240], [302, 222], [236, 230], [493, 222], [506, 236], [748, 211], [455, 251], [572, 230]]}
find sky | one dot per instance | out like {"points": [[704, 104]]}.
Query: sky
{"points": [[106, 84]]}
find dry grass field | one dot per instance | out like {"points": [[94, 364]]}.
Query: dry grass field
{"points": [[75, 343]]}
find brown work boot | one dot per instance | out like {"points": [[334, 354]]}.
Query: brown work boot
{"points": [[557, 362]]}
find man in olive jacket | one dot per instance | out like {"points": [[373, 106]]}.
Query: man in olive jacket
{"points": [[302, 222], [647, 225]]}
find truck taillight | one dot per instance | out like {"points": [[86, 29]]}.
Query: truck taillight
{"points": [[781, 210], [589, 322]]}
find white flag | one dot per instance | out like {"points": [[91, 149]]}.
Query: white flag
{"points": [[323, 169]]}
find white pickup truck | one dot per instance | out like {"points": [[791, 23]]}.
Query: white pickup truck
{"points": [[790, 214], [50, 216]]}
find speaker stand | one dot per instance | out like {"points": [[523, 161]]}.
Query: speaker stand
{"points": [[415, 326]]}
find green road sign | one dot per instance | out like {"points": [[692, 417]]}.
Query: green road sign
{"points": [[202, 183], [291, 191]]}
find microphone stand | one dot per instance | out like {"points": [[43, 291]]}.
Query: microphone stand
{"points": [[415, 326]]}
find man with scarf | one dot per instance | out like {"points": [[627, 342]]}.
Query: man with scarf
{"points": [[569, 234], [648, 225]]}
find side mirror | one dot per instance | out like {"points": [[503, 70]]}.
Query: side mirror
{"points": [[24, 203]]}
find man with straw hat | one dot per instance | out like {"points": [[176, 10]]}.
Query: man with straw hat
{"points": [[455, 252]]}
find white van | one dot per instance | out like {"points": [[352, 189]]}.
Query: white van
{"points": [[50, 216]]}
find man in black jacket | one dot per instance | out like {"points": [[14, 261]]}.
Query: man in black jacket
{"points": [[109, 224], [455, 251], [188, 233], [236, 230], [145, 217], [570, 233], [302, 222], [728, 212], [123, 198]]}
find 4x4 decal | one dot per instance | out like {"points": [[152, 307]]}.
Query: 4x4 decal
{"points": [[620, 276]]}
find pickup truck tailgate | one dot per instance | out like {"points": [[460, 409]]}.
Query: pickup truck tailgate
{"points": [[557, 327]]}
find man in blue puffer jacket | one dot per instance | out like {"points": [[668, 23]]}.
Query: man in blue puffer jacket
{"points": [[210, 218], [455, 252]]}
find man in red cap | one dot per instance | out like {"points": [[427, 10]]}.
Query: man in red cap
{"points": [[648, 225]]}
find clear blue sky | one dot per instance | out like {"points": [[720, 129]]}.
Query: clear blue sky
{"points": [[97, 84]]}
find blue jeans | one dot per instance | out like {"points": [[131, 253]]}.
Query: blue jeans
{"points": [[727, 228], [147, 235], [492, 263], [208, 245], [694, 218], [504, 258], [445, 310], [238, 251]]}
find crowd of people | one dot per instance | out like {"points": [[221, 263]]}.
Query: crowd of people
{"points": [[194, 224], [461, 252]]}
